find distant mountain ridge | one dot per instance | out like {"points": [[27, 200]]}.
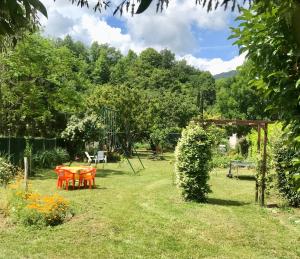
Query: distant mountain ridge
{"points": [[226, 74]]}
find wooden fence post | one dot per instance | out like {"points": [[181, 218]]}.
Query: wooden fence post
{"points": [[26, 173]]}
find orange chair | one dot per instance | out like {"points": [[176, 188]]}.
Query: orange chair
{"points": [[64, 176], [87, 176]]}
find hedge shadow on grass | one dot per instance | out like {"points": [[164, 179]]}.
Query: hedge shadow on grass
{"points": [[245, 177], [222, 202]]}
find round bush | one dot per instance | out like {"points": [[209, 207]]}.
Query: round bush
{"points": [[288, 174], [193, 155]]}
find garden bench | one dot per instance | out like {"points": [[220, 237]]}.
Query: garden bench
{"points": [[238, 163]]}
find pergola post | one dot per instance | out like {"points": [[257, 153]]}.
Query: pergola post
{"points": [[258, 137], [264, 166], [258, 151]]}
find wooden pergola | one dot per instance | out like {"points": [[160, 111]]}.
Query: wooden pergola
{"points": [[259, 124]]}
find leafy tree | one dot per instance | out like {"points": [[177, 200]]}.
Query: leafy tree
{"points": [[77, 48], [83, 128], [273, 50], [120, 73], [167, 59], [129, 104], [183, 71], [163, 79], [150, 57], [107, 58], [202, 86], [238, 99], [166, 113], [17, 16], [39, 88], [101, 72]]}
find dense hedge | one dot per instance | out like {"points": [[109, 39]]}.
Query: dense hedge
{"points": [[193, 155], [288, 174]]}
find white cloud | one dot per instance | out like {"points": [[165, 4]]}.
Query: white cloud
{"points": [[58, 25], [173, 29], [216, 65]]}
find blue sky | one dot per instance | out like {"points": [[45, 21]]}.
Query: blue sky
{"points": [[187, 30]]}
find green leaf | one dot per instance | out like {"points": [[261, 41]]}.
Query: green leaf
{"points": [[39, 6], [298, 83], [143, 6]]}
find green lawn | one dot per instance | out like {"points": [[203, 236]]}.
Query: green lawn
{"points": [[143, 216]]}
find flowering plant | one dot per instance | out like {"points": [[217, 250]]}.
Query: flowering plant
{"points": [[32, 208]]}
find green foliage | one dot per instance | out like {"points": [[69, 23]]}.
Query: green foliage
{"points": [[193, 155], [7, 171], [50, 158], [39, 88], [202, 85], [16, 17], [128, 102], [288, 173], [220, 160], [275, 134], [28, 149], [271, 45], [86, 128], [165, 137], [237, 99]]}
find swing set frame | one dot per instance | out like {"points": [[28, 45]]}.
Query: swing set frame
{"points": [[109, 116]]}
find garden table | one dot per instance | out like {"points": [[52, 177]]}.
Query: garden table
{"points": [[76, 170], [72, 173]]}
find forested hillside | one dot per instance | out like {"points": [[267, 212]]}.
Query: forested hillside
{"points": [[226, 74], [54, 88]]}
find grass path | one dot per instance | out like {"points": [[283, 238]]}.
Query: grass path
{"points": [[143, 216]]}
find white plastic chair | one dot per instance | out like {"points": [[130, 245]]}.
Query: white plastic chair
{"points": [[90, 158], [100, 157]]}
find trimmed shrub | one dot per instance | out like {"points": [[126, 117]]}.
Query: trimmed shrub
{"points": [[193, 155], [50, 158], [288, 173]]}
